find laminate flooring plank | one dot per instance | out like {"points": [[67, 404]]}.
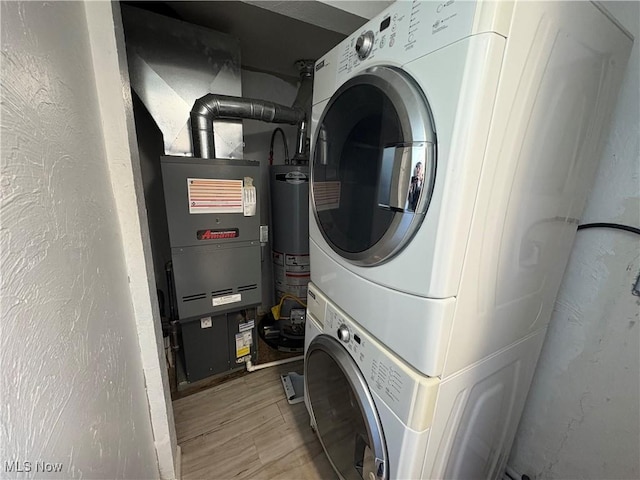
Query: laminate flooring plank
{"points": [[277, 443], [222, 461], [318, 467], [247, 426], [226, 406], [200, 412], [292, 447], [246, 430], [293, 413], [196, 397]]}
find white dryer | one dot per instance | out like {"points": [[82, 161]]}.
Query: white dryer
{"points": [[453, 146], [378, 419]]}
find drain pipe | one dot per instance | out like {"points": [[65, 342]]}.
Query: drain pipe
{"points": [[252, 368], [213, 106]]}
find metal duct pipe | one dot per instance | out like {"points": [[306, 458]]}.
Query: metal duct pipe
{"points": [[303, 97], [212, 106], [302, 143], [304, 101]]}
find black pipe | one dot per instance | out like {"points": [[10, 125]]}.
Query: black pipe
{"points": [[174, 338], [284, 145]]}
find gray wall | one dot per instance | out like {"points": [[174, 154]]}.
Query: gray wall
{"points": [[73, 389], [582, 418], [257, 137], [150, 149]]}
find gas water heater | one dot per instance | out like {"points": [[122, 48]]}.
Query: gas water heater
{"points": [[290, 229], [289, 187]]}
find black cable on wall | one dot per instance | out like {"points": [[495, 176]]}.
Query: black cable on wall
{"points": [[617, 226]]}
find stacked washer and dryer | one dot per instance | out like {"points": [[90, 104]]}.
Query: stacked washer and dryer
{"points": [[454, 144]]}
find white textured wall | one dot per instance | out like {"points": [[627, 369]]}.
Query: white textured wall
{"points": [[72, 386], [582, 418]]}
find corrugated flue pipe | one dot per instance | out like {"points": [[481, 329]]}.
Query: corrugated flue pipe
{"points": [[211, 107]]}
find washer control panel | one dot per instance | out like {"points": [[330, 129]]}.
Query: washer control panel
{"points": [[343, 333], [397, 384]]}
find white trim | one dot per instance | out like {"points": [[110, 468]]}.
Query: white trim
{"points": [[114, 96], [178, 462]]}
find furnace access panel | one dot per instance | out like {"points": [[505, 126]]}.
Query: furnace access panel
{"points": [[214, 233]]}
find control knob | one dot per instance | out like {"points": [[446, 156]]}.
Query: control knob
{"points": [[343, 333], [364, 44]]}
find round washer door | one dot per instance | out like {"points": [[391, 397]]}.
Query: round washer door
{"points": [[373, 165], [343, 411]]}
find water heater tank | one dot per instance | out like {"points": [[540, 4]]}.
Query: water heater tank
{"points": [[290, 229]]}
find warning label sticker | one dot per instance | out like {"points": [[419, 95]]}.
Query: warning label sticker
{"points": [[297, 260], [244, 340], [247, 325], [249, 197], [226, 299], [291, 273], [210, 195]]}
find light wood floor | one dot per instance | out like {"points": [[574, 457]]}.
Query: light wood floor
{"points": [[246, 429]]}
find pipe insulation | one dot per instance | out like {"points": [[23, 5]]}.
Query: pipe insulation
{"points": [[211, 107]]}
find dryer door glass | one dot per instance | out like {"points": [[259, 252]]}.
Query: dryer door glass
{"points": [[345, 416], [373, 165]]}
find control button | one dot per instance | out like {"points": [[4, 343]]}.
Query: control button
{"points": [[343, 333], [364, 44]]}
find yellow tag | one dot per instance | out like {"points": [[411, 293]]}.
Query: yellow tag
{"points": [[244, 341]]}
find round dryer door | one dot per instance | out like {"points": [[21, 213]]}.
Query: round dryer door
{"points": [[343, 411], [373, 165]]}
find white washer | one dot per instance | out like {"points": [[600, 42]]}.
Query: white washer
{"points": [[504, 105], [377, 418]]}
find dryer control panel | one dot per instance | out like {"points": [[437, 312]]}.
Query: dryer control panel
{"points": [[395, 382], [404, 32]]}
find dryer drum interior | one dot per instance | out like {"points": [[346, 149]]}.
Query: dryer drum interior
{"points": [[344, 413], [374, 165]]}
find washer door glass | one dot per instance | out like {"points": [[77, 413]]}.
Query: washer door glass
{"points": [[345, 416], [373, 165]]}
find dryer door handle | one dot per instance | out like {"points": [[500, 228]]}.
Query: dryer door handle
{"points": [[405, 171], [395, 177]]}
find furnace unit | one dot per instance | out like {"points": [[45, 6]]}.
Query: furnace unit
{"points": [[214, 234]]}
